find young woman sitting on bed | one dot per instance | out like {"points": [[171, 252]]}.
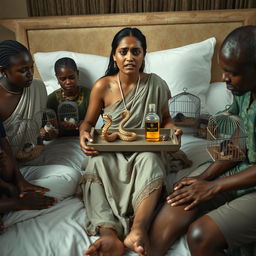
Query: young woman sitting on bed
{"points": [[120, 191], [22, 100], [15, 192], [67, 74]]}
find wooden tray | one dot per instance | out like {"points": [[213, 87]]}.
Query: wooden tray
{"points": [[139, 145]]}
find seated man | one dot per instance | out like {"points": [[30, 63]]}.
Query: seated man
{"points": [[15, 192], [216, 207]]}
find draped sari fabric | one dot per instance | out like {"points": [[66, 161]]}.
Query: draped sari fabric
{"points": [[114, 184], [61, 180]]}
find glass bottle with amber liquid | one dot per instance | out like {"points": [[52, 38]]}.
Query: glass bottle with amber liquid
{"points": [[152, 124]]}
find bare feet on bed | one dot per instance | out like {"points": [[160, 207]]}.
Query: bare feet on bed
{"points": [[107, 245], [35, 201], [137, 241]]}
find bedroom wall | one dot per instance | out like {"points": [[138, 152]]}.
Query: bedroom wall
{"points": [[7, 10]]}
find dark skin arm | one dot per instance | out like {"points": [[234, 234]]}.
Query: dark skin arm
{"points": [[93, 112], [30, 201], [10, 173], [8, 189], [195, 190], [8, 164], [213, 171], [68, 126]]}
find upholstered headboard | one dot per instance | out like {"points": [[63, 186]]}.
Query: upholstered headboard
{"points": [[93, 33]]}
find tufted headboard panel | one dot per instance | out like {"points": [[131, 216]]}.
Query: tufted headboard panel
{"points": [[93, 33]]}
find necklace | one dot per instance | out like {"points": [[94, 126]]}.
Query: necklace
{"points": [[11, 92], [72, 98], [122, 94]]}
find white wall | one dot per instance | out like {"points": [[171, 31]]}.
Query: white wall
{"points": [[11, 9]]}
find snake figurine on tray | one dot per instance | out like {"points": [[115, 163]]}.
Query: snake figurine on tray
{"points": [[121, 133]]}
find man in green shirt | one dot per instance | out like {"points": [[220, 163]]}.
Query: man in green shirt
{"points": [[216, 205]]}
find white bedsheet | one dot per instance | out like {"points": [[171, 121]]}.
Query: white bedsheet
{"points": [[65, 151], [59, 229]]}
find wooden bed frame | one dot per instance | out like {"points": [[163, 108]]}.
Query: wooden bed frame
{"points": [[93, 33]]}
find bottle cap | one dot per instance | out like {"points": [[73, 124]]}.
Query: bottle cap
{"points": [[152, 107]]}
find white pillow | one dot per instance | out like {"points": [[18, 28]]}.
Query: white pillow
{"points": [[184, 67], [91, 67], [218, 98]]}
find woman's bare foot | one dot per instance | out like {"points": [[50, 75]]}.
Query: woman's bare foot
{"points": [[137, 241], [107, 245]]}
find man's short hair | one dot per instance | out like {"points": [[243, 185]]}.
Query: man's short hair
{"points": [[241, 42]]}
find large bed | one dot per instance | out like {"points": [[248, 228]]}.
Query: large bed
{"points": [[182, 48]]}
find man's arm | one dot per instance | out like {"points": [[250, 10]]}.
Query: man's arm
{"points": [[243, 179], [213, 171], [30, 201], [216, 169], [195, 190], [8, 163]]}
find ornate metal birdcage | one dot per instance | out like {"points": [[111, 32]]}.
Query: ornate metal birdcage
{"points": [[185, 109], [23, 135], [202, 126], [68, 112], [49, 118], [68, 117], [226, 137], [49, 130]]}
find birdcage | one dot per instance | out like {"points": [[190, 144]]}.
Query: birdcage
{"points": [[202, 126], [49, 125], [226, 137], [49, 117], [68, 112], [68, 117], [23, 135], [185, 109]]}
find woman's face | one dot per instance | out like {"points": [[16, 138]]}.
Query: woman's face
{"points": [[21, 71], [68, 79], [129, 55]]}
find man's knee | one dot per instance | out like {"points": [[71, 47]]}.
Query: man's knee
{"points": [[199, 234], [195, 234], [204, 234]]}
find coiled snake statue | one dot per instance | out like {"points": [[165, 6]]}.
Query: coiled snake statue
{"points": [[121, 134]]}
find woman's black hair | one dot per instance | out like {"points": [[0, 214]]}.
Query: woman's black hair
{"points": [[65, 62], [8, 49], [112, 69]]}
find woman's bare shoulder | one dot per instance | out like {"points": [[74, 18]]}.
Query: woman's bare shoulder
{"points": [[103, 83]]}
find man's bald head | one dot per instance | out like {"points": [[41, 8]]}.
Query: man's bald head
{"points": [[241, 44]]}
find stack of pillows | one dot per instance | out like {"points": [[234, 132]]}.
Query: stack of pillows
{"points": [[184, 67]]}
